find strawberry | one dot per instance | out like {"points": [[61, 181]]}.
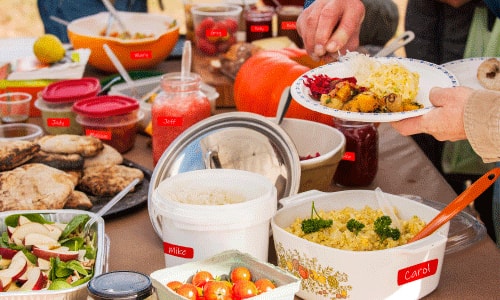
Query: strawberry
{"points": [[206, 46]]}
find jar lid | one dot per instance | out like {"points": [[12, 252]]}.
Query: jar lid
{"points": [[105, 106], [233, 140], [71, 90], [120, 285]]}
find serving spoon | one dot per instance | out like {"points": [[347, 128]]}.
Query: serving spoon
{"points": [[457, 205], [101, 212]]}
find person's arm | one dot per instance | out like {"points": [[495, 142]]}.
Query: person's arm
{"points": [[329, 26]]}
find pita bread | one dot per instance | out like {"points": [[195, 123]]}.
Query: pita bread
{"points": [[34, 186], [107, 156], [16, 153], [107, 180], [488, 74], [86, 146], [78, 200]]}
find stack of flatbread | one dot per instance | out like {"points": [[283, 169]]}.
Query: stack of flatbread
{"points": [[60, 171]]}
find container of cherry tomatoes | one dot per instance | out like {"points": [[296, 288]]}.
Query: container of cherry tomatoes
{"points": [[227, 275]]}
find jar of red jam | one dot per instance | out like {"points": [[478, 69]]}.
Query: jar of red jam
{"points": [[259, 23], [180, 105], [359, 164]]}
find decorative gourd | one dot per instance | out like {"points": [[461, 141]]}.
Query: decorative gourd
{"points": [[263, 77]]}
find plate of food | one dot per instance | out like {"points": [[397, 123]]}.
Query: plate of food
{"points": [[476, 72], [367, 89]]}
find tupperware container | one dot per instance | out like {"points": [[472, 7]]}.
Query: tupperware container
{"points": [[63, 215], [112, 119], [20, 131], [221, 264], [204, 212], [56, 101], [410, 271]]}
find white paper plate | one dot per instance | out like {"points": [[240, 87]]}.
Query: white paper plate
{"points": [[466, 71], [431, 75]]}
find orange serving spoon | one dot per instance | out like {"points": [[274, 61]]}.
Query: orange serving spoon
{"points": [[455, 206]]}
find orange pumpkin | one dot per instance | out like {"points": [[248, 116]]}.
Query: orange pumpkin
{"points": [[263, 77]]}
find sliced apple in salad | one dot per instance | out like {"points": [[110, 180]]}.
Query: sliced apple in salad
{"points": [[37, 254]]}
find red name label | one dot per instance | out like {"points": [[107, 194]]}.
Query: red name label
{"points": [[100, 134], [417, 272], [58, 122], [350, 156], [169, 121], [176, 250], [259, 28], [290, 25], [144, 54], [217, 33]]}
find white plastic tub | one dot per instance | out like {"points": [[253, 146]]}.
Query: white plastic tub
{"points": [[193, 227]]}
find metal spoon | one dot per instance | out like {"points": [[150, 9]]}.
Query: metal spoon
{"points": [[457, 205], [286, 98], [109, 205], [397, 43]]}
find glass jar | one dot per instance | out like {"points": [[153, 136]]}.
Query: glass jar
{"points": [[122, 285], [287, 23], [359, 164], [180, 105], [259, 23]]}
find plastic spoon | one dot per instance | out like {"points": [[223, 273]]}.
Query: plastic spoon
{"points": [[457, 205], [121, 69], [186, 59], [109, 205], [115, 15], [386, 207]]}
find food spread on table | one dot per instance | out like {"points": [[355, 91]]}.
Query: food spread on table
{"points": [[60, 171], [37, 254]]}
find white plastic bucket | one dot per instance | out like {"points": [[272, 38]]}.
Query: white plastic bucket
{"points": [[193, 227]]}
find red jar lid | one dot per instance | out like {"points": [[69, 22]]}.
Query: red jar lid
{"points": [[71, 90], [105, 106]]}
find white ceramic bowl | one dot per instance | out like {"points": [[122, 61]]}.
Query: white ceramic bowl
{"points": [[311, 138], [409, 271]]}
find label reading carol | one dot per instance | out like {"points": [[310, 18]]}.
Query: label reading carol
{"points": [[418, 271]]}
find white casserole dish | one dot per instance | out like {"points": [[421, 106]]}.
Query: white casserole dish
{"points": [[64, 216], [410, 271]]}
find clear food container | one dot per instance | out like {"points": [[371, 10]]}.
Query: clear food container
{"points": [[101, 263]]}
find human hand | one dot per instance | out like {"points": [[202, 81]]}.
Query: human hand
{"points": [[329, 26], [445, 121]]}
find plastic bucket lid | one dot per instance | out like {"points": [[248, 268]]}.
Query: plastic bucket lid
{"points": [[254, 194], [105, 106]]}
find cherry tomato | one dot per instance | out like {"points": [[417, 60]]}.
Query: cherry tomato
{"points": [[264, 285], [174, 285], [188, 290], [217, 290], [244, 289], [201, 278], [240, 273]]}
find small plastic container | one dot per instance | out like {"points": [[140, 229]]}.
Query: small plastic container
{"points": [[121, 285], [112, 119], [215, 27], [56, 101], [20, 131]]}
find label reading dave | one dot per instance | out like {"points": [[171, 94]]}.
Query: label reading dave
{"points": [[179, 251], [143, 54], [58, 122], [169, 121], [417, 272], [100, 134]]}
